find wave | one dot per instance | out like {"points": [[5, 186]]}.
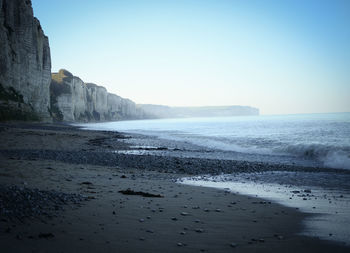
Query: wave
{"points": [[330, 156], [326, 155], [304, 143], [338, 159]]}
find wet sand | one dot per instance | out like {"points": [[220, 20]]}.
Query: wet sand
{"points": [[185, 219]]}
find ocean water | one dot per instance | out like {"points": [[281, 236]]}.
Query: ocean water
{"points": [[320, 140], [316, 140]]}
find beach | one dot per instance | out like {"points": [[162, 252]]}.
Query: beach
{"points": [[89, 191]]}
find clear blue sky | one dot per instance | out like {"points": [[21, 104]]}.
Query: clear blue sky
{"points": [[280, 56]]}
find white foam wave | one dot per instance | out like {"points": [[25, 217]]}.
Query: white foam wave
{"points": [[333, 157], [340, 160]]}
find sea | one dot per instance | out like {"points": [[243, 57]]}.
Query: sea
{"points": [[304, 140]]}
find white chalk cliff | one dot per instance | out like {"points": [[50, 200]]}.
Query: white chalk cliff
{"points": [[25, 63], [73, 100]]}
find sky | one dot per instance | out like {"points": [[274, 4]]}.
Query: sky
{"points": [[283, 57]]}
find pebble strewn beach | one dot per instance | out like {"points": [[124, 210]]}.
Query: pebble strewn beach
{"points": [[67, 190]]}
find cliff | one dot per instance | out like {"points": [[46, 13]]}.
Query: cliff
{"points": [[160, 111], [27, 92], [73, 100], [25, 63]]}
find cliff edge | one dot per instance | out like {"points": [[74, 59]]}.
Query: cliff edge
{"points": [[25, 63], [73, 100]]}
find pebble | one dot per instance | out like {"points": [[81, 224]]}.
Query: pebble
{"points": [[23, 203], [86, 183], [145, 162], [233, 245], [279, 237], [46, 235]]}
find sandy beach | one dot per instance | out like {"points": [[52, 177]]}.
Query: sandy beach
{"points": [[79, 195]]}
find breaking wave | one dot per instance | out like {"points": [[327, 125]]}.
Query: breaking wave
{"points": [[333, 157]]}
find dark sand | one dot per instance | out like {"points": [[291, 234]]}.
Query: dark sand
{"points": [[185, 219]]}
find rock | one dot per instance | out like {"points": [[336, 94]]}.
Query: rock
{"points": [[86, 183], [25, 62], [74, 100], [184, 214], [233, 245], [143, 194], [46, 235]]}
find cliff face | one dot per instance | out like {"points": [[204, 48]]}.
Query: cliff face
{"points": [[25, 63], [73, 100]]}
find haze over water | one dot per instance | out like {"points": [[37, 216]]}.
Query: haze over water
{"points": [[320, 140]]}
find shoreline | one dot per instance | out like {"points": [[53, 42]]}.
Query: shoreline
{"points": [[186, 219]]}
